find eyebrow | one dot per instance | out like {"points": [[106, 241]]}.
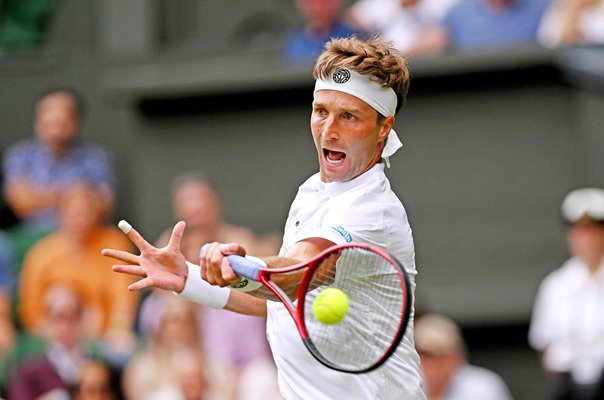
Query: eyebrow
{"points": [[350, 109]]}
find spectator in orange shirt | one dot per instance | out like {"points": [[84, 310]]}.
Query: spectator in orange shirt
{"points": [[72, 255]]}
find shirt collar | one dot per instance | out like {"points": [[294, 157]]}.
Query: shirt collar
{"points": [[583, 274], [333, 189]]}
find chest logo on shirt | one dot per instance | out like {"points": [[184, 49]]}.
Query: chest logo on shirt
{"points": [[347, 236]]}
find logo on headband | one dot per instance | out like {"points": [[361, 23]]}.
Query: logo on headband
{"points": [[341, 75]]}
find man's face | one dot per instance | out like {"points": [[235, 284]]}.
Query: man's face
{"points": [[80, 210], [197, 204], [347, 134], [586, 241], [437, 369], [57, 120], [63, 316], [409, 3]]}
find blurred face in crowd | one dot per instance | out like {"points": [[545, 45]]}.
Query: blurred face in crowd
{"points": [[586, 241], [178, 324], [57, 121], [189, 367], [81, 210], [196, 203], [438, 368], [320, 15], [409, 3], [95, 383], [63, 316], [348, 135]]}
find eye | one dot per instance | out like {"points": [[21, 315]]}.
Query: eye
{"points": [[349, 117], [320, 112]]}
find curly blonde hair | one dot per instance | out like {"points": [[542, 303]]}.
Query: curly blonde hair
{"points": [[371, 56]]}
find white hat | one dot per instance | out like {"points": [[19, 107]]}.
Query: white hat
{"points": [[586, 204]]}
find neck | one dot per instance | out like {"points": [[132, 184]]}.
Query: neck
{"points": [[78, 237], [594, 264], [59, 150], [437, 393]]}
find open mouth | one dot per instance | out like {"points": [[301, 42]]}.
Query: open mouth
{"points": [[334, 157]]}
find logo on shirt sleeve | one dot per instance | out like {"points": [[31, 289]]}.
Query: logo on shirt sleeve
{"points": [[347, 236]]}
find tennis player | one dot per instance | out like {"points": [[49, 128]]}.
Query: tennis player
{"points": [[360, 86]]}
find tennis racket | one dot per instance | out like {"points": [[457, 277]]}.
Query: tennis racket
{"points": [[379, 294]]}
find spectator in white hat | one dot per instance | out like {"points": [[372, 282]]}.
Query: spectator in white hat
{"points": [[567, 325]]}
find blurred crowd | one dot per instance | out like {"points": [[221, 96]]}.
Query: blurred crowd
{"points": [[415, 27], [69, 328], [431, 27]]}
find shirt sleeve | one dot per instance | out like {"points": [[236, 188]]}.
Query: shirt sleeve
{"points": [[15, 162]]}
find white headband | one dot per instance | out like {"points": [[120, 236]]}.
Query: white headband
{"points": [[382, 99]]}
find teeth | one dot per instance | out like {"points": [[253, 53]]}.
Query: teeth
{"points": [[334, 162]]}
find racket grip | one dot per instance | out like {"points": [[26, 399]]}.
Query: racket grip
{"points": [[244, 266]]}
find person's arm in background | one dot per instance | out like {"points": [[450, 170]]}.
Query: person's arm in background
{"points": [[22, 195], [26, 198]]}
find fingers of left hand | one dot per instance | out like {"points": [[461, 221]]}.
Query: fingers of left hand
{"points": [[130, 269], [141, 284], [120, 255]]}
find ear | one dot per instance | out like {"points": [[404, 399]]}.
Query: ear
{"points": [[386, 127]]}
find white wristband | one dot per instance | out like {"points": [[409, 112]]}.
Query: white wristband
{"points": [[199, 291]]}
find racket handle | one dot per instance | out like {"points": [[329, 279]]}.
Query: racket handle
{"points": [[244, 266]]}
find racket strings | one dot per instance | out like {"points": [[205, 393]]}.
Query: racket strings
{"points": [[287, 284], [376, 308]]}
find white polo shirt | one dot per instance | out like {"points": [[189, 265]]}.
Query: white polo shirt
{"points": [[476, 383], [567, 323], [364, 209]]}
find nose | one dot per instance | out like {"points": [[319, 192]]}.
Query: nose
{"points": [[330, 129]]}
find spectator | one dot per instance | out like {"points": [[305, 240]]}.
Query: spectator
{"points": [[567, 327], [72, 254], [568, 22], [190, 381], [36, 169], [493, 24], [150, 371], [413, 26], [98, 381], [323, 20], [57, 370], [446, 372], [196, 201]]}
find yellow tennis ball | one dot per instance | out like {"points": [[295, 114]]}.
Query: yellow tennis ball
{"points": [[330, 306]]}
